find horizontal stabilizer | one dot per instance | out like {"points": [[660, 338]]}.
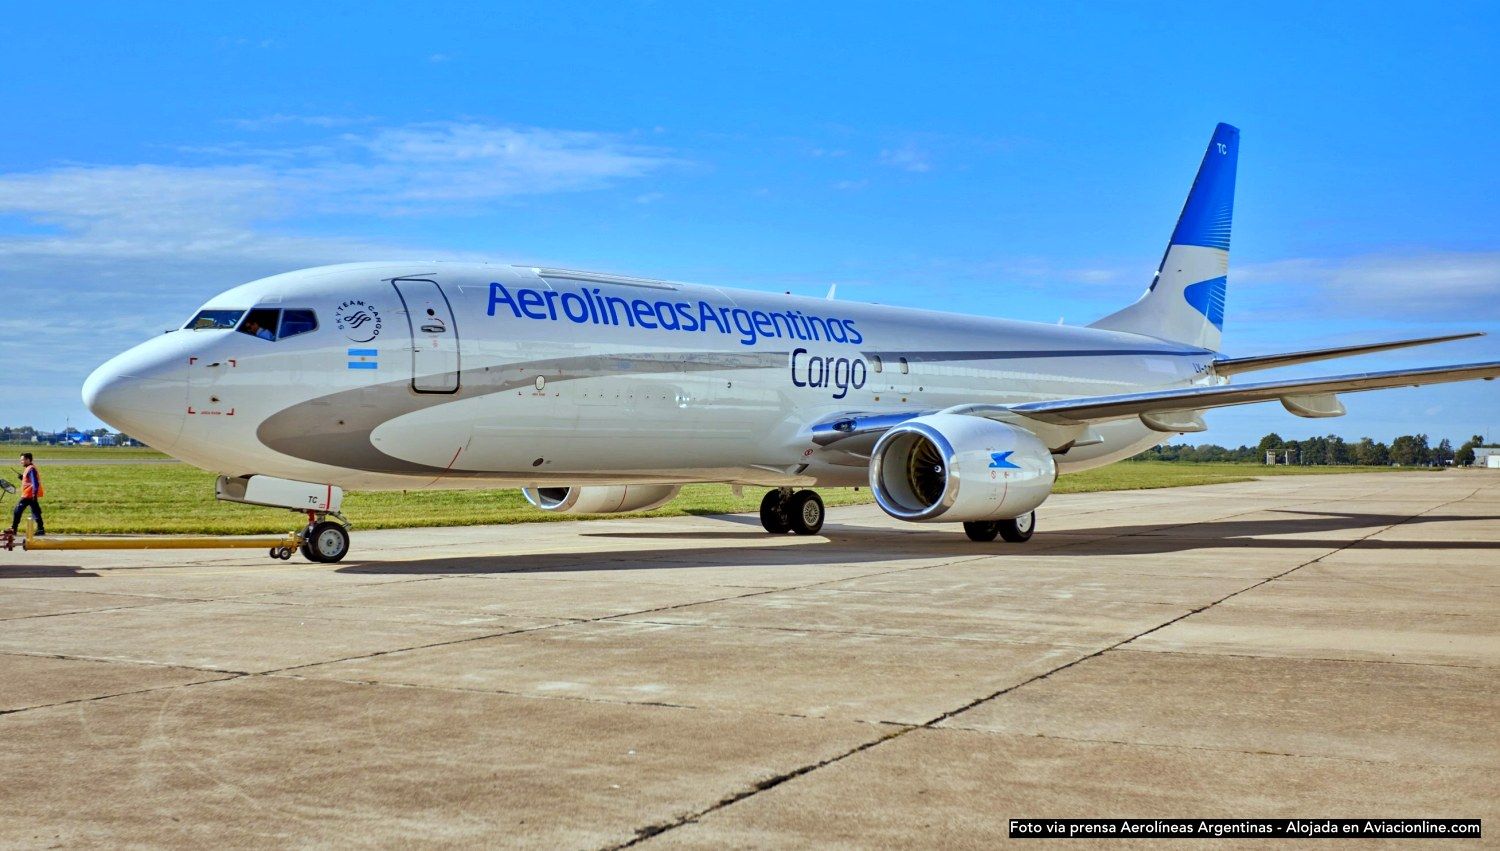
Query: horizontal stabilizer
{"points": [[1101, 408], [1234, 366]]}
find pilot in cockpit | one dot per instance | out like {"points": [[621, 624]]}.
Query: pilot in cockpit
{"points": [[254, 329]]}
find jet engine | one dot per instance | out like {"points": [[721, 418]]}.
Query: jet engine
{"points": [[601, 499], [954, 467]]}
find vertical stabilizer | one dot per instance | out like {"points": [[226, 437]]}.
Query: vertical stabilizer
{"points": [[1185, 302]]}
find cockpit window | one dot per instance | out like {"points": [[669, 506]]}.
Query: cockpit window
{"points": [[267, 323], [261, 323], [294, 322], [221, 319]]}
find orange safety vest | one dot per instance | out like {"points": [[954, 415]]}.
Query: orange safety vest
{"points": [[31, 483]]}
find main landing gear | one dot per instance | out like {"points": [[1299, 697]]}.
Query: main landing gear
{"points": [[1016, 531], [783, 510]]}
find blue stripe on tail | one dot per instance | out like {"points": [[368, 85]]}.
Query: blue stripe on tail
{"points": [[1207, 297], [1209, 212]]}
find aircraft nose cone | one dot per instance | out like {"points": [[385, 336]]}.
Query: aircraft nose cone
{"points": [[102, 390], [139, 397]]}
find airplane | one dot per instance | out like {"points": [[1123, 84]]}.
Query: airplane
{"points": [[599, 393]]}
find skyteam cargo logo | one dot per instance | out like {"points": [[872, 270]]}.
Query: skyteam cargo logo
{"points": [[359, 321], [591, 306]]}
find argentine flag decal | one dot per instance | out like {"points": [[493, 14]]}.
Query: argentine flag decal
{"points": [[364, 359]]}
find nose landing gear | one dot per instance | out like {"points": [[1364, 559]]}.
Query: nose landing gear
{"points": [[783, 510], [324, 541]]}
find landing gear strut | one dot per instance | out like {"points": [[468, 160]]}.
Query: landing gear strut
{"points": [[1017, 531], [783, 510]]}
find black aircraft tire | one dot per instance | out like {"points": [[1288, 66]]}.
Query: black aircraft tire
{"points": [[982, 531], [326, 543], [805, 512], [773, 513], [1019, 530]]}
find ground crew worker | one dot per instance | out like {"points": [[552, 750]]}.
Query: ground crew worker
{"points": [[31, 495]]}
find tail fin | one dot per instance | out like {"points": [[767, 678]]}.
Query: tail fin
{"points": [[1185, 303]]}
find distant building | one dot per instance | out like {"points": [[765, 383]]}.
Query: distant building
{"points": [[67, 437], [1487, 456]]}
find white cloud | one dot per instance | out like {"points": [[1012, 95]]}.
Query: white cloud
{"points": [[475, 162], [280, 119], [173, 212], [1437, 285], [111, 254], [1079, 283], [908, 157], [1095, 276]]}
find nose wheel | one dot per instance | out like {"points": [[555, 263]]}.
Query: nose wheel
{"points": [[783, 510], [326, 542]]}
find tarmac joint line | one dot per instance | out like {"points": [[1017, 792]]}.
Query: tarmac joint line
{"points": [[652, 830]]}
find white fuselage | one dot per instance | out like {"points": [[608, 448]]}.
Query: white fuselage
{"points": [[521, 377]]}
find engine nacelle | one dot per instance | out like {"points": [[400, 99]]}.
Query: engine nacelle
{"points": [[954, 467], [601, 499]]}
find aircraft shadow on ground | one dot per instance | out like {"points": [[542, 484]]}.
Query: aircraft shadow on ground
{"points": [[851, 545], [44, 571], [840, 544]]}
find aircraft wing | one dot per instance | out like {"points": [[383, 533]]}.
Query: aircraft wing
{"points": [[1057, 421], [1091, 409], [1233, 366]]}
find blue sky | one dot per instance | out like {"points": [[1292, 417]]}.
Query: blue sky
{"points": [[1024, 161]]}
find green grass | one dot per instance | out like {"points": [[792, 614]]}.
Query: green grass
{"points": [[176, 498], [10, 451], [1142, 475]]}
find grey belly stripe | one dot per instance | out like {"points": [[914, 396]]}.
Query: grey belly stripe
{"points": [[335, 429]]}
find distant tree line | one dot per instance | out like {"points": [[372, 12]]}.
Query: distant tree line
{"points": [[31, 434], [1408, 450]]}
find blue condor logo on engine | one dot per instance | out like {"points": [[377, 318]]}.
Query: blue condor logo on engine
{"points": [[590, 306]]}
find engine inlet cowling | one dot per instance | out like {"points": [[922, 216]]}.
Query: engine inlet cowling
{"points": [[600, 499], [954, 467]]}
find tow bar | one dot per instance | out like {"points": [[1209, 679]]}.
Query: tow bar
{"points": [[278, 547], [324, 539]]}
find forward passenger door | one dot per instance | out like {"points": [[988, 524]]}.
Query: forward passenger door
{"points": [[434, 336]]}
